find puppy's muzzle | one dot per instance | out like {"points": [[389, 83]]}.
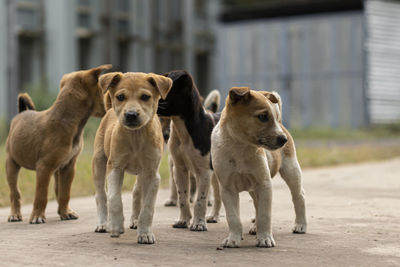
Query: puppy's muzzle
{"points": [[131, 119]]}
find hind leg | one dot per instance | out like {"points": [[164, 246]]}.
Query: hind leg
{"points": [[214, 216], [136, 203], [65, 177], [291, 173], [192, 186], [172, 200], [43, 175], [12, 170], [253, 229], [200, 206]]}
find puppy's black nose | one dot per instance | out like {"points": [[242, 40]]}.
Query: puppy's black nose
{"points": [[131, 116], [281, 140]]}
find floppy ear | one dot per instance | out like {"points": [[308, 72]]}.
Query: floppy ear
{"points": [[161, 83], [274, 97], [109, 80], [237, 94], [97, 70], [107, 101]]}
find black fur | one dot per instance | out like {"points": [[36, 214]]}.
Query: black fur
{"points": [[184, 101]]}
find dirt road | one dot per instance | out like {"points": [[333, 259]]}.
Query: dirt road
{"points": [[354, 220]]}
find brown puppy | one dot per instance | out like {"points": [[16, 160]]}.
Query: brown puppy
{"points": [[249, 146], [50, 141], [129, 139]]}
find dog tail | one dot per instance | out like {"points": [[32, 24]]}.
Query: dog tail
{"points": [[212, 101], [107, 101], [25, 102]]}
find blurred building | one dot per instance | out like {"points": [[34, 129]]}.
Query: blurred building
{"points": [[336, 63], [43, 39]]}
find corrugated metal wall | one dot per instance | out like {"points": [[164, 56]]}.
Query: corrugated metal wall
{"points": [[383, 62], [314, 62]]}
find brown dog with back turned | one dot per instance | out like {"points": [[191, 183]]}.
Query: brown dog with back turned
{"points": [[50, 141]]}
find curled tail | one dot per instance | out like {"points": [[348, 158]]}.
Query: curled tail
{"points": [[25, 103], [212, 101]]}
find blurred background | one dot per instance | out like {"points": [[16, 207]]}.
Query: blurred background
{"points": [[335, 63]]}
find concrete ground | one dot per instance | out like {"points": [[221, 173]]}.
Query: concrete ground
{"points": [[353, 212]]}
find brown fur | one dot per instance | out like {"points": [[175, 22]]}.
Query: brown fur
{"points": [[50, 141], [122, 145], [250, 133]]}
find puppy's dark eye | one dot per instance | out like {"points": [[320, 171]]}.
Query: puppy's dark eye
{"points": [[144, 97], [121, 97], [263, 117]]}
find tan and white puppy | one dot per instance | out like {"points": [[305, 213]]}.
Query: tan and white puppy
{"points": [[250, 127], [129, 139]]}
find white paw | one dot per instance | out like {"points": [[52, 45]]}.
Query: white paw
{"points": [[117, 231], [230, 242], [199, 226], [212, 218], [300, 228], [267, 242], [147, 238]]}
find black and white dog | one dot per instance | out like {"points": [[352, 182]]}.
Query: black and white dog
{"points": [[189, 146]]}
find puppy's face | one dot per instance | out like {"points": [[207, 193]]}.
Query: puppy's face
{"points": [[85, 85], [254, 117], [134, 96]]}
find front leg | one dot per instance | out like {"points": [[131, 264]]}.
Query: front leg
{"points": [[200, 206], [181, 176], [231, 204], [136, 204], [149, 184], [115, 209], [214, 216], [291, 172], [263, 195]]}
